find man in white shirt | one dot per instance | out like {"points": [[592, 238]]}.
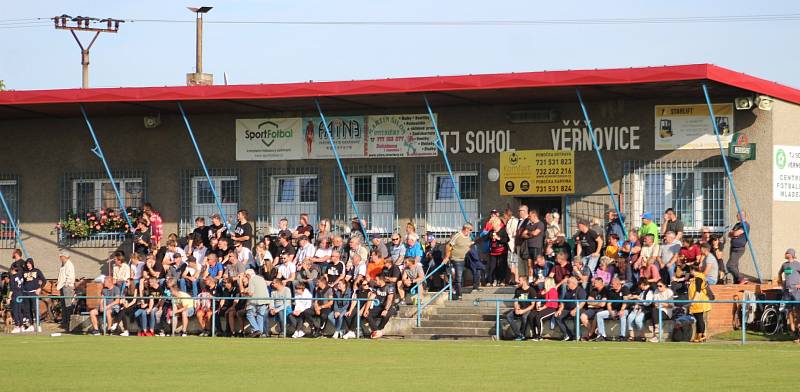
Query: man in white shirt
{"points": [[172, 249], [244, 254], [512, 223], [121, 271], [199, 251], [296, 318], [137, 266], [305, 251], [66, 286]]}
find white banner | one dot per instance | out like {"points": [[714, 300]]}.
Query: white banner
{"points": [[269, 139], [401, 135], [349, 134], [689, 127], [786, 173]]}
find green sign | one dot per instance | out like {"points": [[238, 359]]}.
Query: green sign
{"points": [[740, 148]]}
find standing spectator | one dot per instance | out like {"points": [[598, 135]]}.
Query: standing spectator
{"points": [[673, 224], [17, 260], [614, 310], [142, 238], [535, 241], [244, 230], [710, 265], [550, 220], [16, 290], [218, 229], [716, 250], [518, 317], [397, 250], [520, 244], [377, 243], [649, 227], [256, 289], [66, 286], [643, 293], [789, 279], [698, 291], [383, 310], [738, 244], [668, 254], [456, 252], [498, 245], [511, 226], [304, 228], [323, 233], [588, 245], [614, 224], [200, 233], [433, 254], [34, 280], [301, 306], [567, 310], [544, 310], [154, 221]]}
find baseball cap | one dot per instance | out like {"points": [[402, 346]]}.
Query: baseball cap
{"points": [[494, 211], [647, 216], [792, 252], [431, 238], [63, 253]]}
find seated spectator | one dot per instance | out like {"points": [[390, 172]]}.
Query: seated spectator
{"points": [[358, 311], [381, 312], [649, 270], [203, 305], [356, 272], [191, 275], [263, 254], [236, 311], [576, 295], [301, 307], [307, 275], [109, 306], [689, 253], [604, 269], [342, 298], [375, 265], [377, 243], [226, 289], [413, 248], [214, 268], [322, 254], [142, 311], [183, 306], [121, 272], [255, 287], [397, 249], [305, 250], [561, 271], [581, 272], [413, 274], [335, 269], [540, 270], [662, 293], [641, 309], [279, 306], [128, 306], [321, 308], [518, 317], [543, 310], [595, 303], [357, 247], [614, 311]]}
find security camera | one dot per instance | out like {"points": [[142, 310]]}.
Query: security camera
{"points": [[152, 121], [764, 102], [744, 103]]}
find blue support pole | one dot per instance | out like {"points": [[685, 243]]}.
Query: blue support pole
{"points": [[602, 163], [13, 222], [729, 173], [97, 150], [217, 200], [341, 170], [440, 146]]}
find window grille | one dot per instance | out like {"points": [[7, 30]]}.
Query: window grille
{"points": [[591, 208], [197, 199], [10, 186], [287, 193], [437, 208], [375, 190], [697, 190], [87, 197]]}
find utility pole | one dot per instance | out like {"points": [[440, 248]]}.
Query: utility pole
{"points": [[198, 78], [82, 24]]}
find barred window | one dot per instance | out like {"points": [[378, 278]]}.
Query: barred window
{"points": [[375, 198], [443, 213], [697, 191], [10, 188], [96, 195], [197, 197], [291, 196]]}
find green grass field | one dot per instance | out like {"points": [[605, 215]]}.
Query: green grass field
{"points": [[85, 363]]}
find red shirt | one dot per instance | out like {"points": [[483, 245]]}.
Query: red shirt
{"points": [[551, 296], [690, 254]]}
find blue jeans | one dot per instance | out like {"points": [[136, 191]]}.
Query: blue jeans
{"points": [[601, 317], [141, 316], [636, 320], [458, 280], [183, 286], [255, 316], [276, 318], [591, 262], [337, 322]]}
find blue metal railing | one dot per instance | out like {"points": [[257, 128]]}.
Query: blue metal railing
{"points": [[419, 288], [730, 180], [285, 302], [659, 304], [13, 222]]}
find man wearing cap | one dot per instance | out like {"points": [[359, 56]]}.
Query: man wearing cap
{"points": [[66, 286], [789, 278], [648, 227]]}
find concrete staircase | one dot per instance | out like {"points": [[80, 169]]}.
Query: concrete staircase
{"points": [[464, 319]]}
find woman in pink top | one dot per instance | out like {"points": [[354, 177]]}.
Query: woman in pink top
{"points": [[156, 224], [649, 271], [544, 310]]}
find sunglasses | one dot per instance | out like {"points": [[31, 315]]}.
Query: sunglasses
{"points": [[661, 286]]}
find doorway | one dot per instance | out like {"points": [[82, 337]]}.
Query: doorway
{"points": [[542, 205]]}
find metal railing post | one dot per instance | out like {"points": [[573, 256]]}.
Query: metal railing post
{"points": [[358, 318], [744, 322], [577, 323], [283, 316], [660, 324], [419, 308], [729, 174], [37, 315], [497, 319], [103, 301], [213, 317]]}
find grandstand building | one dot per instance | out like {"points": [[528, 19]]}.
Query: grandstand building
{"points": [[268, 152]]}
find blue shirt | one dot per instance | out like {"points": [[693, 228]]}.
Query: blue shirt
{"points": [[415, 251], [213, 271]]}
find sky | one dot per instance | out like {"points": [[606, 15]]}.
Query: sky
{"points": [[159, 54]]}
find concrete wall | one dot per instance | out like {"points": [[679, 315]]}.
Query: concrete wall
{"points": [[48, 148], [785, 214]]}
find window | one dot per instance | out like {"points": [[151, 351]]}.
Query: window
{"points": [[98, 194], [443, 210], [375, 198], [697, 193], [292, 196], [203, 202], [10, 189]]}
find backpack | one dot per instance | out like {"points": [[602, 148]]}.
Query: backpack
{"points": [[682, 328]]}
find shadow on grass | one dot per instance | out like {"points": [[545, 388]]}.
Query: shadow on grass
{"points": [[753, 336]]}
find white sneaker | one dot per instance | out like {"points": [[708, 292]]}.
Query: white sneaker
{"points": [[294, 335], [113, 327], [300, 334], [28, 329], [16, 330], [124, 333], [39, 329]]}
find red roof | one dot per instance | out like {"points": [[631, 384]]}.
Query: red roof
{"points": [[452, 85]]}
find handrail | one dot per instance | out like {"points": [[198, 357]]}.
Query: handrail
{"points": [[659, 302], [418, 287], [213, 300]]}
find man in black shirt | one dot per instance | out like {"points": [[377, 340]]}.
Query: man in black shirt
{"points": [[595, 304], [614, 310], [243, 231], [381, 312], [321, 308], [588, 244], [672, 223], [518, 317], [335, 270], [217, 229], [304, 229], [142, 238], [567, 310], [33, 282], [392, 275], [536, 233], [201, 230]]}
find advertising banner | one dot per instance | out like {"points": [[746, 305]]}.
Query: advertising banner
{"points": [[537, 172], [689, 127], [401, 135], [349, 135], [269, 139], [786, 173]]}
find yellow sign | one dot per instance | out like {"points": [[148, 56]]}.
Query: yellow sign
{"points": [[537, 172]]}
